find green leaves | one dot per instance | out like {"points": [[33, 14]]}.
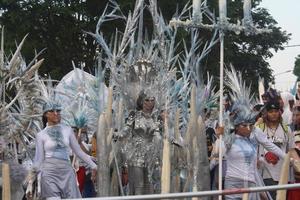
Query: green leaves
{"points": [[58, 26]]}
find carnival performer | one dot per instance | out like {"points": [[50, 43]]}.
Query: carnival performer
{"points": [[52, 161], [142, 145], [241, 154], [241, 140], [278, 133]]}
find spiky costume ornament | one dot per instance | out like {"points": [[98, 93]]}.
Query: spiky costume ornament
{"points": [[242, 108], [80, 99], [19, 114], [142, 70]]}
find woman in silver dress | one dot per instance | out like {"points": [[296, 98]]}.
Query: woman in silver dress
{"points": [[142, 145]]}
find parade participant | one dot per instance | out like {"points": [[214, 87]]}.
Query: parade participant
{"points": [[297, 96], [294, 194], [58, 179], [86, 187], [241, 152], [142, 145], [278, 133], [241, 140]]}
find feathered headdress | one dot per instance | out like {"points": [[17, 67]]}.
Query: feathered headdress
{"points": [[243, 101]]}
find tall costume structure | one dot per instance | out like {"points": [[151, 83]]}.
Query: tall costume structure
{"points": [[142, 69], [19, 113]]}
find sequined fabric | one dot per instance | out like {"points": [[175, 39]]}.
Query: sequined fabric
{"points": [[142, 148]]}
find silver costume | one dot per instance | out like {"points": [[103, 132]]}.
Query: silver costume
{"points": [[142, 151]]}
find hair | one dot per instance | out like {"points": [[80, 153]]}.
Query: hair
{"points": [[140, 101], [44, 120], [296, 108]]}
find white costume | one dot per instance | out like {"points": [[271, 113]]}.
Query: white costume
{"points": [[52, 161]]}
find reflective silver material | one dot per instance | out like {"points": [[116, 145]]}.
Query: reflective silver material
{"points": [[141, 150]]}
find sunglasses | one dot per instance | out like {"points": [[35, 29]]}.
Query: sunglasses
{"points": [[54, 110], [150, 99], [247, 125]]}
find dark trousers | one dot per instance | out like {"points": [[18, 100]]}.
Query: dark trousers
{"points": [[268, 182]]}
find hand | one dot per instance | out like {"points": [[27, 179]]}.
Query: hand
{"points": [[94, 175], [94, 159], [29, 196], [271, 158], [220, 130], [116, 136]]}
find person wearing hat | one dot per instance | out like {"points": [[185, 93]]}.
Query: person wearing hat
{"points": [[52, 161], [281, 135]]}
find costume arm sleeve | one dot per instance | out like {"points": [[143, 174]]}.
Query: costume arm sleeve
{"points": [[267, 144], [39, 152], [77, 150]]}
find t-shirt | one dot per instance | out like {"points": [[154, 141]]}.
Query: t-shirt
{"points": [[284, 139]]}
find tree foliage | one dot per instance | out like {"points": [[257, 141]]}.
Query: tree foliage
{"points": [[296, 70], [58, 26]]}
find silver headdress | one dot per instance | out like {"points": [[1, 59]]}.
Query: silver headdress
{"points": [[243, 101]]}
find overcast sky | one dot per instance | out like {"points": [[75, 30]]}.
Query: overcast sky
{"points": [[287, 14]]}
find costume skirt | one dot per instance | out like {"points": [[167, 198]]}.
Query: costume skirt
{"points": [[233, 183], [58, 179]]}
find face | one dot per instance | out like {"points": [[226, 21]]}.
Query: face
{"points": [[148, 104], [281, 103], [226, 103], [273, 115], [53, 117], [244, 129], [264, 99], [296, 117]]}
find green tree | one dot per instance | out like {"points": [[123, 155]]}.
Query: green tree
{"points": [[58, 26], [248, 54], [296, 70]]}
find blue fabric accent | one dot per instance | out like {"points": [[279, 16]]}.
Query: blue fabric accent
{"points": [[61, 153], [56, 135], [248, 153]]}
